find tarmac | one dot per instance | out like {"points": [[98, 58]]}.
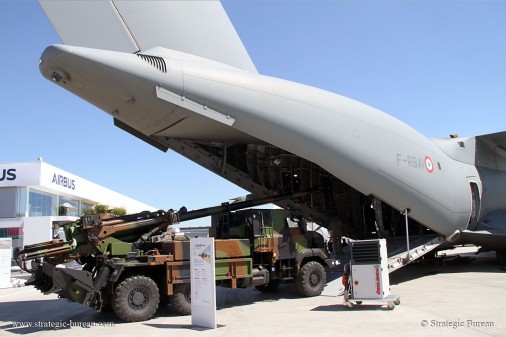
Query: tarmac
{"points": [[457, 298]]}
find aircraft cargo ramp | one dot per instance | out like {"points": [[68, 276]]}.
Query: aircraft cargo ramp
{"points": [[419, 245], [398, 255], [397, 250]]}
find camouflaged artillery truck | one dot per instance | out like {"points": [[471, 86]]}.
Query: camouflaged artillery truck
{"points": [[282, 248], [135, 263]]}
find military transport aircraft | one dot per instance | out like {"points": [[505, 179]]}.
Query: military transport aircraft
{"points": [[176, 75]]}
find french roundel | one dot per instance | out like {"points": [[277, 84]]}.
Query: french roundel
{"points": [[429, 165]]}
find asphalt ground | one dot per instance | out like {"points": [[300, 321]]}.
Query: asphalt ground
{"points": [[459, 298]]}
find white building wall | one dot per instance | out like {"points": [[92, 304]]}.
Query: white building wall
{"points": [[70, 184], [40, 177], [37, 229], [40, 228], [46, 177]]}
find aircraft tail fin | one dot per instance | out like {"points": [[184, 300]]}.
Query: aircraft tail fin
{"points": [[200, 28]]}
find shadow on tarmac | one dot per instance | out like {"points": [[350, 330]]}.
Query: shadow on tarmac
{"points": [[181, 326], [341, 307], [482, 263], [56, 314], [28, 317], [228, 298]]}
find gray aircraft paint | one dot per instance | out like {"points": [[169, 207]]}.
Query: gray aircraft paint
{"points": [[366, 148], [219, 97]]}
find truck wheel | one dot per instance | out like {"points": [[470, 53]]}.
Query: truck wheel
{"points": [[136, 299], [311, 279], [270, 287], [182, 300]]}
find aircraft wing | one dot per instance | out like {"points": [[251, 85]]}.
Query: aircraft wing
{"points": [[200, 28], [498, 138], [491, 151], [493, 240]]}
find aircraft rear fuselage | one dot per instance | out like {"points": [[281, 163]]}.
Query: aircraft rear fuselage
{"points": [[373, 152]]}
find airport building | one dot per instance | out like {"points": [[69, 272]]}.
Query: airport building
{"points": [[35, 196]]}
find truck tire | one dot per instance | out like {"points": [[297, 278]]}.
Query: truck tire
{"points": [[181, 300], [311, 279], [136, 299]]}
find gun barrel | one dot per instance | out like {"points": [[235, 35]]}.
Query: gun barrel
{"points": [[45, 249], [201, 213], [66, 249]]}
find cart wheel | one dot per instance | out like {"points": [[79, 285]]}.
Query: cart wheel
{"points": [[359, 302], [391, 305], [397, 301]]}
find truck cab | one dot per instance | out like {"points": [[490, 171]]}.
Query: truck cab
{"points": [[280, 244]]}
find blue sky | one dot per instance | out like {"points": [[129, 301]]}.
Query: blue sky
{"points": [[439, 66]]}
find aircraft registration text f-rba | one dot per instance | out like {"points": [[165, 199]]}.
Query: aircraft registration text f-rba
{"points": [[193, 88]]}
